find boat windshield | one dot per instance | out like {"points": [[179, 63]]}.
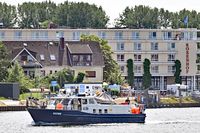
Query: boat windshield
{"points": [[54, 101]]}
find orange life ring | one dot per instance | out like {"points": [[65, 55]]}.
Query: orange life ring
{"points": [[59, 106]]}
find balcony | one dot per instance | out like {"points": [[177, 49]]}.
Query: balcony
{"points": [[29, 64]]}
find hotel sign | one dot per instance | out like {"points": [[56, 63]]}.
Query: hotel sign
{"points": [[187, 66]]}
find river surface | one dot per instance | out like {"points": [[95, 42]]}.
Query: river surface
{"points": [[171, 120]]}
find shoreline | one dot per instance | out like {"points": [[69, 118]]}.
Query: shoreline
{"points": [[183, 105], [174, 105]]}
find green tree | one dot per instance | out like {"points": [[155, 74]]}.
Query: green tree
{"points": [[177, 72], [16, 74], [146, 17], [138, 17], [34, 14], [8, 15], [147, 75], [130, 72], [62, 76], [164, 18], [80, 77], [81, 15], [111, 71], [4, 62]]}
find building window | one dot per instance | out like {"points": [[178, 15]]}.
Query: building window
{"points": [[18, 34], [198, 67], [89, 57], [171, 46], [138, 69], [135, 35], [32, 74], [154, 69], [198, 58], [137, 57], [118, 35], [154, 46], [167, 35], [102, 35], [120, 57], [122, 69], [90, 74], [50, 72], [23, 57], [29, 58], [154, 57], [59, 34], [171, 57], [39, 34], [81, 58], [76, 35], [52, 57], [120, 46], [41, 57], [198, 45], [2, 34], [42, 72], [152, 35], [75, 57], [171, 69], [137, 46]]}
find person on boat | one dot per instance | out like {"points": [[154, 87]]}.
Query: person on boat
{"points": [[127, 100]]}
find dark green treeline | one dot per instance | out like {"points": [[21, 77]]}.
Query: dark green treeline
{"points": [[84, 15]]}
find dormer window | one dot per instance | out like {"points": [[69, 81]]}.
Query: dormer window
{"points": [[41, 57], [75, 57], [52, 57]]}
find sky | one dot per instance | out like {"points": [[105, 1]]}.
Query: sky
{"points": [[115, 7]]}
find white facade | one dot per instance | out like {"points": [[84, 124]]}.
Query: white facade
{"points": [[161, 46]]}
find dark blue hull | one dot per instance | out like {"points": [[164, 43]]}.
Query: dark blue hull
{"points": [[72, 117]]}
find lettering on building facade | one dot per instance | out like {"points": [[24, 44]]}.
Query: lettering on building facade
{"points": [[187, 66]]}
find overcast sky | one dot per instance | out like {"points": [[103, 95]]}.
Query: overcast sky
{"points": [[114, 7]]}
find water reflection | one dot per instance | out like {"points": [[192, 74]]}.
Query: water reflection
{"points": [[171, 120]]}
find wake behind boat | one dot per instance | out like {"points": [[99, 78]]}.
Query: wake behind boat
{"points": [[80, 110]]}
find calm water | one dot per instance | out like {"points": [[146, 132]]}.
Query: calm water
{"points": [[177, 120]]}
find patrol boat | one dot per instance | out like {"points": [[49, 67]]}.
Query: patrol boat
{"points": [[81, 110]]}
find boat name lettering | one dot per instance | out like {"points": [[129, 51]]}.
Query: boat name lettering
{"points": [[56, 113]]}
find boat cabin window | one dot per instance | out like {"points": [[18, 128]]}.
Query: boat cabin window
{"points": [[105, 111], [65, 101], [94, 111], [84, 101], [100, 111], [76, 104], [91, 101], [57, 101]]}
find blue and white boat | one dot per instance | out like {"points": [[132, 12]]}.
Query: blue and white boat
{"points": [[81, 110]]}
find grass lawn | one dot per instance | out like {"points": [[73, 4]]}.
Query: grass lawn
{"points": [[26, 95], [3, 98], [172, 100]]}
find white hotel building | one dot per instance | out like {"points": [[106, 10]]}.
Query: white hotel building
{"points": [[161, 46]]}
